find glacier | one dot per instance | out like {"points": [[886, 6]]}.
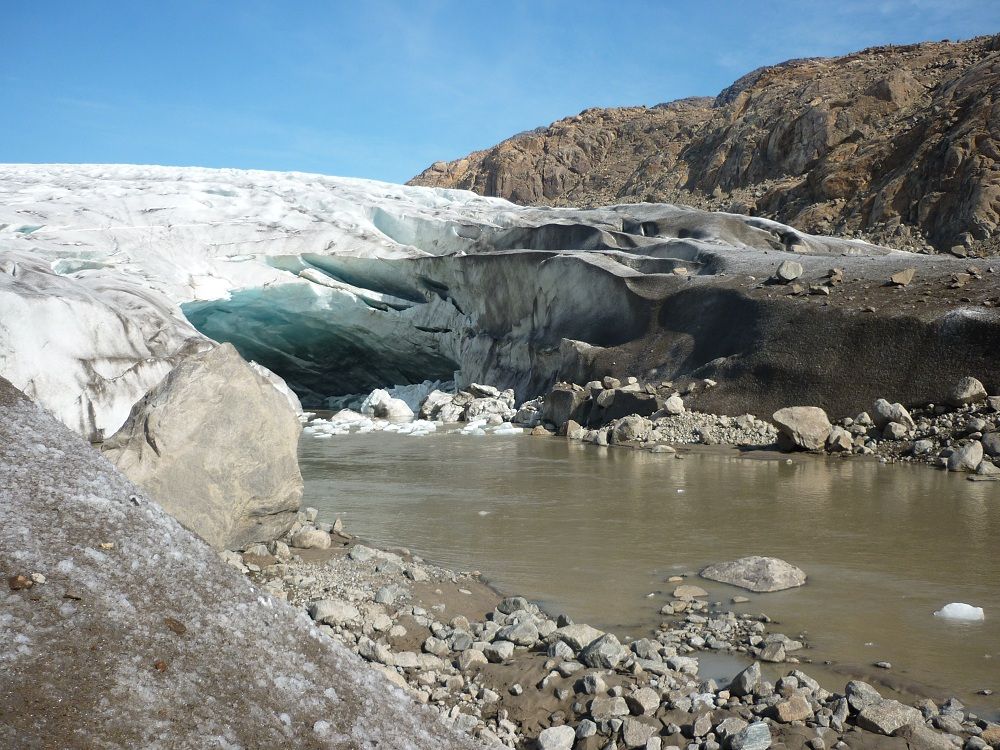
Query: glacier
{"points": [[342, 285]]}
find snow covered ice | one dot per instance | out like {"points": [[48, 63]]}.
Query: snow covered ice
{"points": [[338, 285]]}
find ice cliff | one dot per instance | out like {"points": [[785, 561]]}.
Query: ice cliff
{"points": [[343, 285]]}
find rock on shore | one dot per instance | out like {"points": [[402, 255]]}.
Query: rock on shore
{"points": [[132, 632], [216, 445], [804, 427]]}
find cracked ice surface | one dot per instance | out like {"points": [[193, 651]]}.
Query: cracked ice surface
{"points": [[141, 636]]}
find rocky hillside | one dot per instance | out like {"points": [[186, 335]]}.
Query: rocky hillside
{"points": [[900, 145]]}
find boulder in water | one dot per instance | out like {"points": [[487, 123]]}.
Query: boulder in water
{"points": [[380, 404], [761, 574]]}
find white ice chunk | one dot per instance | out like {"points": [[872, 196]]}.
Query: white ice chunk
{"points": [[380, 404], [960, 611]]}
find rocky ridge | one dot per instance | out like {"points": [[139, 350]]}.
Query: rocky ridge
{"points": [[899, 144]]}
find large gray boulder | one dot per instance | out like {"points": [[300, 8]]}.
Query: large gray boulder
{"points": [[564, 402], [884, 413], [805, 427], [381, 405], [557, 738], [141, 636], [761, 574], [432, 404], [756, 736], [966, 391], [991, 443], [966, 457], [631, 430], [603, 653], [887, 716], [745, 682], [215, 444], [789, 271]]}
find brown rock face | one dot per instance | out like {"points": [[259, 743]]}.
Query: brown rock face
{"points": [[900, 144]]}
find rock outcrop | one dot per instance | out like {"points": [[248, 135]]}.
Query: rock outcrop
{"points": [[900, 143], [215, 444], [135, 634]]}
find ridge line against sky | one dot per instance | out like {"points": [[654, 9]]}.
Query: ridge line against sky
{"points": [[383, 89]]}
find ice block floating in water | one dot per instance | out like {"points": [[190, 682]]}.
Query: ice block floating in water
{"points": [[959, 611]]}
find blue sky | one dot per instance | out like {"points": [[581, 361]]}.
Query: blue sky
{"points": [[382, 89]]}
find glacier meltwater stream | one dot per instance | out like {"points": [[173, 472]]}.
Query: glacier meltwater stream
{"points": [[593, 531]]}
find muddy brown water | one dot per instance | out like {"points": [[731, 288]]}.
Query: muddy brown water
{"points": [[594, 531]]}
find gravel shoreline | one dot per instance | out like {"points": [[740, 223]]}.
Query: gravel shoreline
{"points": [[507, 672]]}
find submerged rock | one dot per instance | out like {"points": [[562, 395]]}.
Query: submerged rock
{"points": [[761, 574], [216, 445]]}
